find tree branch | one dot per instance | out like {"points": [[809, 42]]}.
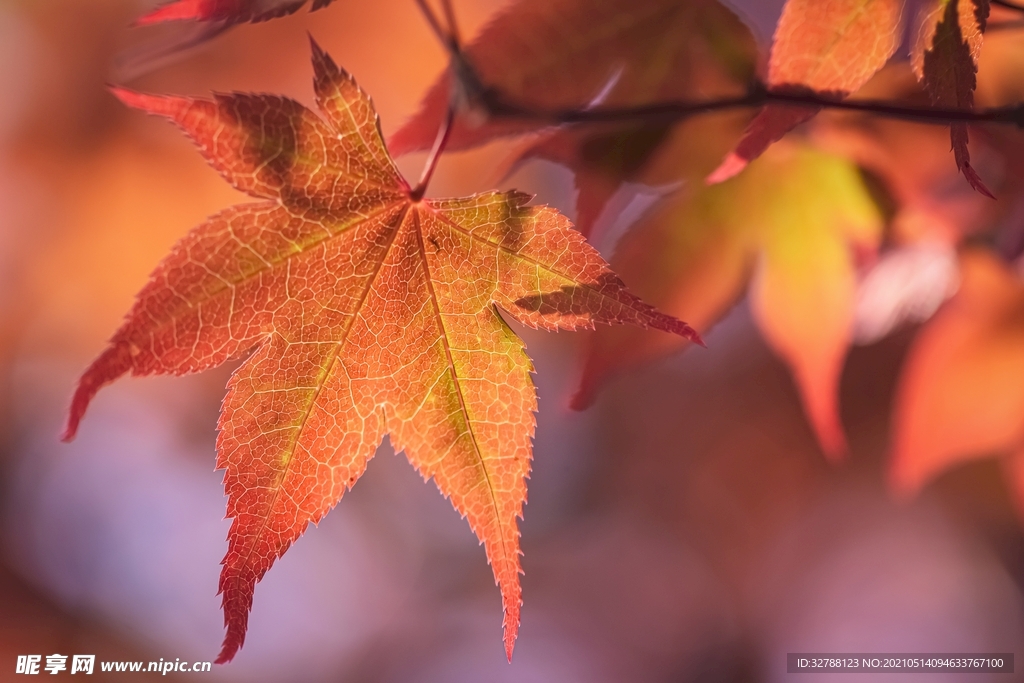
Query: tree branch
{"points": [[467, 83], [1008, 5], [440, 141], [446, 39], [453, 27], [495, 104], [994, 26]]}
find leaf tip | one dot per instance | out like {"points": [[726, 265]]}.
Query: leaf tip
{"points": [[511, 633], [110, 365], [70, 428], [820, 398], [730, 166], [125, 95], [833, 442], [327, 75], [584, 396], [512, 602], [903, 482], [151, 104], [79, 402], [68, 434], [322, 62], [227, 653], [679, 328], [975, 181], [236, 602]]}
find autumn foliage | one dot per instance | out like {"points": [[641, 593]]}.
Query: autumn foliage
{"points": [[337, 269], [363, 310]]}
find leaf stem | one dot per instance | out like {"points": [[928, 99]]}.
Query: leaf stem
{"points": [[445, 39], [440, 142], [453, 27]]}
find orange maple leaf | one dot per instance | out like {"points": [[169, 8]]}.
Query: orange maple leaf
{"points": [[560, 53], [366, 312], [910, 161], [829, 48], [230, 11], [788, 231], [960, 396]]}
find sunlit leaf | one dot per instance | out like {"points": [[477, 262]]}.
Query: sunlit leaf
{"points": [[361, 312], [961, 395], [828, 48], [787, 229]]}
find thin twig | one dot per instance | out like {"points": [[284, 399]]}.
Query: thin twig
{"points": [[440, 141], [474, 92], [450, 40], [1013, 113], [453, 27], [1014, 25], [1008, 5], [435, 25], [496, 105]]}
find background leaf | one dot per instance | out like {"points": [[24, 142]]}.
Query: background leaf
{"points": [[791, 226], [830, 48], [960, 396], [944, 55], [561, 54], [228, 11]]}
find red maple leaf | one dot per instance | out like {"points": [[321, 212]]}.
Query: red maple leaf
{"points": [[230, 11], [615, 51], [828, 48], [944, 55], [960, 395], [362, 311]]}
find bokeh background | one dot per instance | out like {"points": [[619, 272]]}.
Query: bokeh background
{"points": [[685, 528]]}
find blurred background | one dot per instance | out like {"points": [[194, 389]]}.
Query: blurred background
{"points": [[685, 528]]}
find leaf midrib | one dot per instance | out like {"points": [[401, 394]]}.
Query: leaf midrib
{"points": [[464, 409], [327, 368]]}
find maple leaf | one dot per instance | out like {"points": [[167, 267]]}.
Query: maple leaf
{"points": [[929, 204], [229, 11], [960, 395], [551, 54], [702, 50], [827, 48], [788, 228], [366, 312], [660, 50], [944, 55], [600, 160]]}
